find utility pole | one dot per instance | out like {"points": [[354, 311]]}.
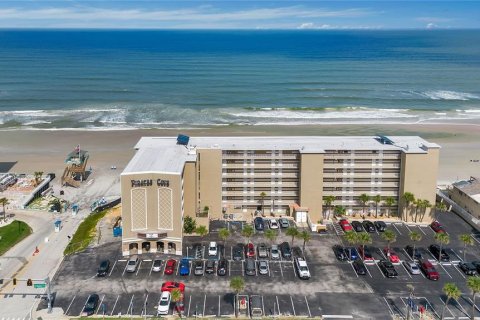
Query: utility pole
{"points": [[410, 301], [49, 294]]}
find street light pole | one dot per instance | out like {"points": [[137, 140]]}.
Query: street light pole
{"points": [[49, 294]]}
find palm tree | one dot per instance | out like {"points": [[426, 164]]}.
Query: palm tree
{"points": [[305, 236], [473, 283], [176, 297], [4, 202], [292, 232], [440, 206], [442, 239], [339, 211], [262, 199], [237, 284], [224, 234], [417, 204], [390, 237], [451, 291], [467, 241], [389, 202], [201, 231], [364, 238], [408, 198], [351, 238], [425, 205], [270, 235], [247, 232], [415, 236], [37, 175], [328, 200], [377, 200], [363, 199]]}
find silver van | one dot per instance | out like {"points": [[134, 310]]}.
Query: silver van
{"points": [[256, 306], [250, 267], [132, 264]]}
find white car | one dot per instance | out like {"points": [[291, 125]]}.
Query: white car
{"points": [[157, 265], [212, 249], [263, 267], [275, 252], [302, 268], [273, 224], [164, 303], [412, 267]]}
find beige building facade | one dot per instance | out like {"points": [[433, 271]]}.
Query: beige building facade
{"points": [[238, 177]]}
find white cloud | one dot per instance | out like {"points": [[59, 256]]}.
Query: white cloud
{"points": [[313, 26], [431, 26], [434, 19]]}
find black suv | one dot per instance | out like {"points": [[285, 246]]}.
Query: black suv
{"points": [[285, 249], [435, 250], [468, 268], [103, 268], [380, 225], [222, 267], [340, 253], [210, 266], [357, 226], [91, 305], [388, 269], [259, 224], [414, 255], [237, 254], [368, 225]]}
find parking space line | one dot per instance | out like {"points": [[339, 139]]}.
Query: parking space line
{"points": [[178, 267], [406, 270], [455, 253], [164, 267], [281, 268], [84, 306], [243, 272], [144, 308], [189, 303], [278, 306], [308, 307], [471, 302], [408, 256], [463, 309], [111, 270], [130, 305], [408, 228], [351, 264], [293, 307], [204, 302], [125, 269], [219, 313], [446, 307], [388, 305], [445, 270], [421, 229], [114, 305], [459, 271], [138, 268], [100, 304], [379, 270], [151, 268], [474, 238], [431, 307], [268, 270], [263, 307], [393, 224], [68, 308], [294, 270]]}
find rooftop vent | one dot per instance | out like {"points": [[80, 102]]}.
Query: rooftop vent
{"points": [[384, 140], [183, 139]]}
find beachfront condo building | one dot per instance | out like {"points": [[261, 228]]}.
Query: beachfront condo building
{"points": [[237, 178]]}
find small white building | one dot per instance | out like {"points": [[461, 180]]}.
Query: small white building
{"points": [[466, 194]]}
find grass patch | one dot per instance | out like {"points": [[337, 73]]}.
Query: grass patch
{"points": [[12, 234], [85, 233]]}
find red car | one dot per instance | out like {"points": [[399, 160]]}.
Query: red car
{"points": [[170, 285], [170, 266], [429, 270], [391, 255], [250, 250], [437, 227], [346, 226]]}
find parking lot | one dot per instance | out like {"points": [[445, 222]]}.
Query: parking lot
{"points": [[334, 290]]}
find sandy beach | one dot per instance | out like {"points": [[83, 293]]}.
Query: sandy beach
{"points": [[25, 151]]}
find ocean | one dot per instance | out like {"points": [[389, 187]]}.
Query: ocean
{"points": [[108, 80]]}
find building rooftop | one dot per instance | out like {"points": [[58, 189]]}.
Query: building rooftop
{"points": [[470, 187], [163, 154]]}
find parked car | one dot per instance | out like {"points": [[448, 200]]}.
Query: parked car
{"points": [[222, 268], [184, 267], [368, 226], [250, 250], [170, 285], [198, 267], [285, 249], [91, 305], [157, 265], [380, 225], [210, 266], [273, 224], [259, 224], [170, 266], [262, 267], [357, 226], [262, 250], [250, 268], [468, 268], [365, 253], [477, 265], [164, 303], [414, 254], [359, 267], [256, 306], [388, 269], [283, 223], [435, 250], [103, 268], [212, 248], [352, 253], [411, 267], [437, 227], [132, 264], [275, 252], [429, 270], [345, 225], [391, 255], [302, 268], [340, 253], [237, 252]]}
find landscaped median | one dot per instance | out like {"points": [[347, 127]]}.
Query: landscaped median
{"points": [[85, 233], [12, 234]]}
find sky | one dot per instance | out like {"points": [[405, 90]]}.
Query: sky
{"points": [[240, 14]]}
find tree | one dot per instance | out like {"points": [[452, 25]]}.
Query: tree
{"points": [[351, 238], [451, 291], [262, 199], [38, 176], [467, 241], [440, 206], [425, 205], [305, 236], [339, 211], [189, 225], [224, 234], [247, 232], [377, 200], [443, 239], [408, 198], [415, 237], [55, 205], [328, 200], [4, 202], [201, 231], [176, 297], [237, 284], [473, 283], [364, 238], [390, 237], [389, 202], [270, 235], [364, 199], [292, 232], [417, 204]]}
